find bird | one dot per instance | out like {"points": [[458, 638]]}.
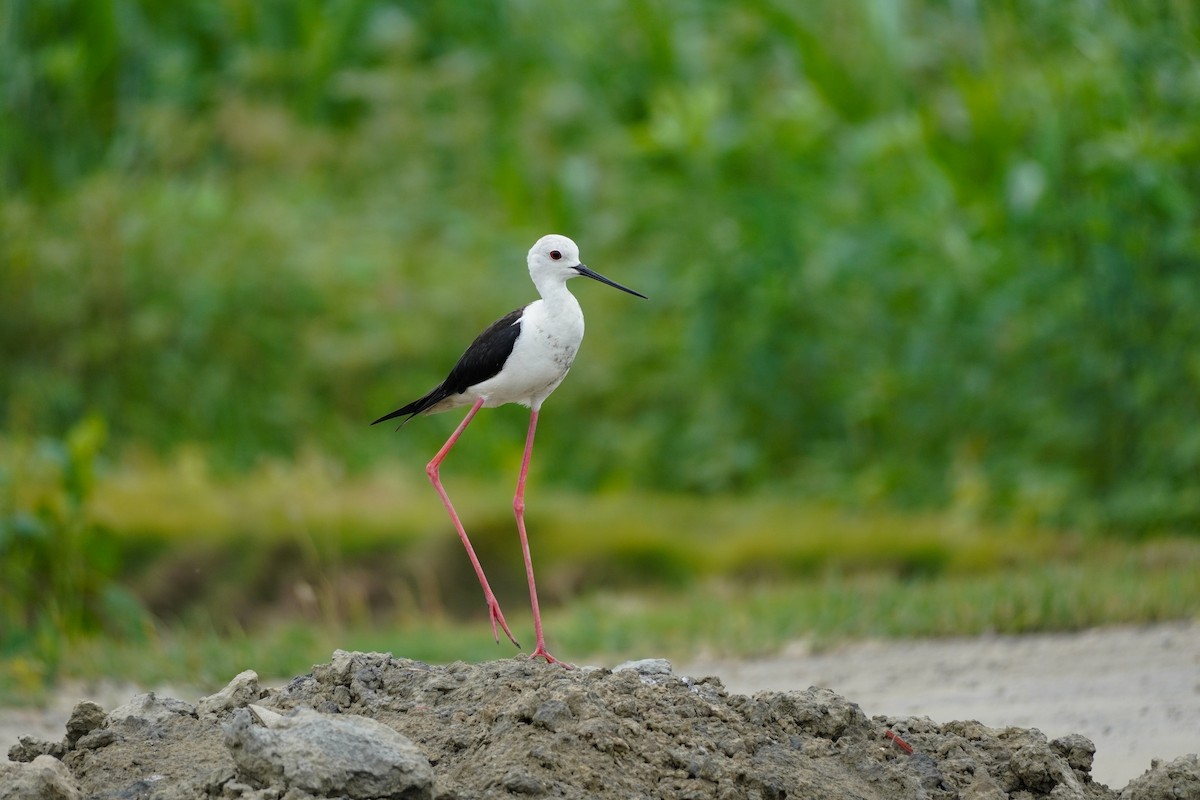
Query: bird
{"points": [[520, 358]]}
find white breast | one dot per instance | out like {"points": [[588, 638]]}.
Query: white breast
{"points": [[541, 357]]}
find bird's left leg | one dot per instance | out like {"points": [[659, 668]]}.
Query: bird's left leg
{"points": [[432, 469], [519, 510]]}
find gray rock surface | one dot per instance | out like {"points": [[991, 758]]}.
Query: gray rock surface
{"points": [[329, 755], [43, 778], [240, 692], [85, 718], [149, 709], [1170, 780], [1132, 690], [368, 725]]}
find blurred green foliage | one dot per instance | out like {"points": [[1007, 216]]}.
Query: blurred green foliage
{"points": [[702, 620], [57, 564], [925, 253]]}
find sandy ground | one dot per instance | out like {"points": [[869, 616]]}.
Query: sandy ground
{"points": [[1135, 692]]}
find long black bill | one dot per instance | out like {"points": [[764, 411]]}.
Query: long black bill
{"points": [[596, 276]]}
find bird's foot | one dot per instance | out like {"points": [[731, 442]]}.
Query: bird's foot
{"points": [[541, 652], [498, 620]]}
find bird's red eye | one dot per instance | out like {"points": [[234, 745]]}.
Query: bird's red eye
{"points": [[555, 255]]}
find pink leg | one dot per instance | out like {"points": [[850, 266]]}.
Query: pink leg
{"points": [[432, 471], [519, 509]]}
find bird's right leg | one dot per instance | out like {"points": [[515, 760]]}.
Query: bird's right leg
{"points": [[431, 469]]}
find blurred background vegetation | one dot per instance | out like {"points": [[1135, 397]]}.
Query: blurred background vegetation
{"points": [[930, 258]]}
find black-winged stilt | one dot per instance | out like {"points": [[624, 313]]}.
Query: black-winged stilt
{"points": [[521, 358]]}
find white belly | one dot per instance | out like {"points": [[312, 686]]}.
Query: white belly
{"points": [[540, 359]]}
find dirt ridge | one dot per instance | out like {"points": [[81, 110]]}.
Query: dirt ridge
{"points": [[518, 727]]}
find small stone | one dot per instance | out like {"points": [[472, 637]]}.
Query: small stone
{"points": [[346, 665], [646, 666], [552, 714], [267, 717], [519, 782], [1077, 749], [238, 693], [44, 778], [329, 755], [85, 718], [1037, 768], [96, 739], [815, 711], [148, 708], [28, 748]]}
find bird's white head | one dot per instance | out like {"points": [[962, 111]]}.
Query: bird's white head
{"points": [[554, 259], [553, 255]]}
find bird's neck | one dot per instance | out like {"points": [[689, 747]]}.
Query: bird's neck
{"points": [[555, 294]]}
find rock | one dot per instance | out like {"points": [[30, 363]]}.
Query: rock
{"points": [[149, 709], [552, 715], [238, 693], [518, 782], [85, 718], [265, 716], [346, 666], [646, 666], [1174, 780], [28, 748], [326, 755], [1037, 768], [85, 728], [43, 778], [1077, 749], [96, 739], [815, 711]]}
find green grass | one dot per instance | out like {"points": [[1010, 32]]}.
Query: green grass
{"points": [[188, 576], [708, 619]]}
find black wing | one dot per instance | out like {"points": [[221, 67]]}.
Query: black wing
{"points": [[486, 356], [482, 360]]}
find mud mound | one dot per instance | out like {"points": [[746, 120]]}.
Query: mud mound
{"points": [[367, 725]]}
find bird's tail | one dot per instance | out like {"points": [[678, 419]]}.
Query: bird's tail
{"points": [[416, 407]]}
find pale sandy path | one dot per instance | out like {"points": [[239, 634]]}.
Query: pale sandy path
{"points": [[1135, 691]]}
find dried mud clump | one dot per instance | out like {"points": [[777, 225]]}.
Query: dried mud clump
{"points": [[367, 725]]}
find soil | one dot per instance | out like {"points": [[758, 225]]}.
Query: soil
{"points": [[371, 725], [1133, 690]]}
